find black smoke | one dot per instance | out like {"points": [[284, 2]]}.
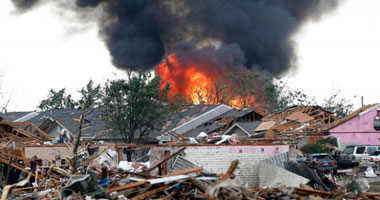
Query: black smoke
{"points": [[140, 33], [22, 5], [226, 56]]}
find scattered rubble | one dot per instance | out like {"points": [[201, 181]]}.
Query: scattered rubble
{"points": [[130, 180], [102, 172]]}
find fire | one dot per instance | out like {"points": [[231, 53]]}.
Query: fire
{"points": [[191, 81], [200, 82]]}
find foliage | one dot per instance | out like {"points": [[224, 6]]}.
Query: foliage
{"points": [[319, 146], [298, 97], [315, 148], [57, 100], [253, 90], [135, 106], [337, 105], [90, 95], [280, 96], [330, 140]]}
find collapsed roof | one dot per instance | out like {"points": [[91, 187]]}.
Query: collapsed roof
{"points": [[297, 120], [208, 119]]}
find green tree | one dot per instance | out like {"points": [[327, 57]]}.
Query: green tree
{"points": [[320, 146], [90, 96], [135, 106], [57, 100], [338, 105], [280, 96]]}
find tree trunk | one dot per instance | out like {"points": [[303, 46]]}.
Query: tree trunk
{"points": [[76, 144]]}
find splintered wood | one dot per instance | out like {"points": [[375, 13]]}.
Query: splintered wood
{"points": [[298, 121]]}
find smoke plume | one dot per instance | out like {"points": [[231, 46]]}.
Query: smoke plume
{"points": [[140, 33]]}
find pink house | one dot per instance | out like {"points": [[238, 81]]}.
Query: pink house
{"points": [[357, 128]]}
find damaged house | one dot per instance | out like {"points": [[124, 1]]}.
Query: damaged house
{"points": [[297, 121], [206, 119], [62, 124], [361, 127], [292, 125]]}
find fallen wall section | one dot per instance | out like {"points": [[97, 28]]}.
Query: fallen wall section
{"points": [[217, 159], [271, 176]]}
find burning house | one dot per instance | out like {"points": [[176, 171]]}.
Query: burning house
{"points": [[205, 51]]}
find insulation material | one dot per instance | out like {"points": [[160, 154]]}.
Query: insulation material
{"points": [[133, 166], [108, 158]]}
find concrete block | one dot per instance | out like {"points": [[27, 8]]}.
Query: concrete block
{"points": [[272, 176]]}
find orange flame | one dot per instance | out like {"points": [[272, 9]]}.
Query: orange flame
{"points": [[195, 82]]}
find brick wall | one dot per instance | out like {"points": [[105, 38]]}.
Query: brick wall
{"points": [[217, 159]]}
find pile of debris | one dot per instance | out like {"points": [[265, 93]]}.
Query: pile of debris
{"points": [[296, 121], [306, 192], [103, 174], [135, 182]]}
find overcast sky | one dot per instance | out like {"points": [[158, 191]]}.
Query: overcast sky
{"points": [[39, 50]]}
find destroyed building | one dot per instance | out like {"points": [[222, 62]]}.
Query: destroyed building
{"points": [[64, 123], [207, 119], [200, 148]]}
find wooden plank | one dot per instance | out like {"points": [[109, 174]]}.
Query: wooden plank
{"points": [[127, 186], [166, 159], [204, 195], [198, 184], [141, 175], [171, 195], [171, 132], [19, 167], [372, 195], [150, 193], [232, 167], [187, 171], [32, 187], [304, 191]]}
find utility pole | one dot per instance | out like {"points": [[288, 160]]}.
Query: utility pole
{"points": [[362, 101]]}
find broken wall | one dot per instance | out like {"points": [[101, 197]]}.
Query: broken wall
{"points": [[50, 152], [217, 159], [277, 160], [272, 176]]}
